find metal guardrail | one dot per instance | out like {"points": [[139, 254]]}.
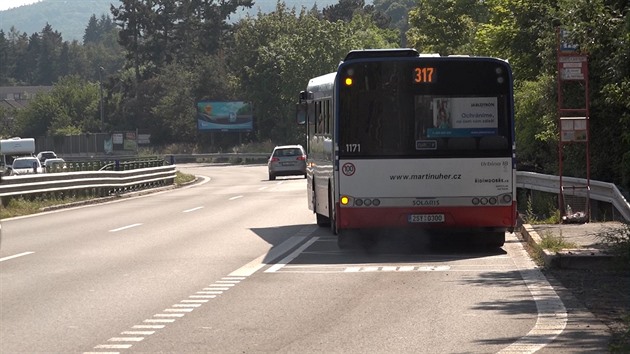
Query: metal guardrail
{"points": [[130, 179], [602, 191], [227, 156], [106, 182]]}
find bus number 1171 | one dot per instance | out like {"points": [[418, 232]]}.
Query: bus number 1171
{"points": [[353, 147]]}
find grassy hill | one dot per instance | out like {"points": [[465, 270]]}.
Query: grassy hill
{"points": [[70, 17]]}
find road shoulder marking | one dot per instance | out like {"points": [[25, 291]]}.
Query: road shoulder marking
{"points": [[552, 315]]}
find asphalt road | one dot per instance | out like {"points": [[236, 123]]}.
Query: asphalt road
{"points": [[235, 264]]}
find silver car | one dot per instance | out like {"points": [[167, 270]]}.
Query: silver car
{"points": [[55, 165], [45, 155], [287, 160]]}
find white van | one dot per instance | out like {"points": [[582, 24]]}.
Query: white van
{"points": [[25, 165]]}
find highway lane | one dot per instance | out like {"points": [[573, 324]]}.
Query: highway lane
{"points": [[236, 264], [96, 269]]}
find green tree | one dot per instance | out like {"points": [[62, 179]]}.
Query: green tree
{"points": [[47, 58], [70, 108], [174, 112], [92, 31], [97, 29], [4, 59], [445, 26], [132, 17], [397, 12], [17, 51], [275, 55], [536, 125], [520, 31], [346, 10]]}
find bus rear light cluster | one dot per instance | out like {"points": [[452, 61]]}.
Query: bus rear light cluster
{"points": [[505, 199], [482, 201], [367, 202]]}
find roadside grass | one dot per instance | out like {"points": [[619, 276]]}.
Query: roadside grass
{"points": [[183, 178], [555, 243], [550, 215], [23, 206]]}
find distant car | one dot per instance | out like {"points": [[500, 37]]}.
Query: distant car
{"points": [[26, 165], [287, 160], [44, 155], [55, 164]]}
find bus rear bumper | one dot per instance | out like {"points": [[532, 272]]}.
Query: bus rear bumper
{"points": [[487, 217]]}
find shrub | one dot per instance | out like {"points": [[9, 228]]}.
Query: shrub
{"points": [[618, 239]]}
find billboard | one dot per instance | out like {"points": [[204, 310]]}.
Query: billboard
{"points": [[235, 116]]}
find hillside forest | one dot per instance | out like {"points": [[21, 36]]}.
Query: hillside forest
{"points": [[156, 58]]}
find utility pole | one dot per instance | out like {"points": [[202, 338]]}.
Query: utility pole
{"points": [[100, 80]]}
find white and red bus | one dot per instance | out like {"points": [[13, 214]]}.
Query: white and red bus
{"points": [[395, 138]]}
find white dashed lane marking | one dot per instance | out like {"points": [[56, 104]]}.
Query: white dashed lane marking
{"points": [[125, 227], [15, 256], [193, 209], [185, 306]]}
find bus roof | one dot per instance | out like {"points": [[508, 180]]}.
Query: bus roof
{"points": [[322, 83], [381, 53]]}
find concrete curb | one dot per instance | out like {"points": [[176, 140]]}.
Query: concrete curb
{"points": [[584, 258]]}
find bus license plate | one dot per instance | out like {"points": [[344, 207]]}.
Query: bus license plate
{"points": [[422, 218]]}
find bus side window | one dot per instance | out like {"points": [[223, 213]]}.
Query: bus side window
{"points": [[319, 113], [328, 113]]}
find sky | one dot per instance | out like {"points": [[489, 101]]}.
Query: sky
{"points": [[9, 4]]}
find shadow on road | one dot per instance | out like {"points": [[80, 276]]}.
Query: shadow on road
{"points": [[379, 246]]}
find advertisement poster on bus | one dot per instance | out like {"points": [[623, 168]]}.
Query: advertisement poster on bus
{"points": [[464, 117], [234, 116], [443, 179]]}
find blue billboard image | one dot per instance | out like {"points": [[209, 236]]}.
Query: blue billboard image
{"points": [[234, 116]]}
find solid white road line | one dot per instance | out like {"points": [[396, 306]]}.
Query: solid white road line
{"points": [[253, 266], [552, 315]]}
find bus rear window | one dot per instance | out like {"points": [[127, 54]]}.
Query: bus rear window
{"points": [[382, 113]]}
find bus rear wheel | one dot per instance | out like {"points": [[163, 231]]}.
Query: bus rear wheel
{"points": [[494, 239], [322, 220]]}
